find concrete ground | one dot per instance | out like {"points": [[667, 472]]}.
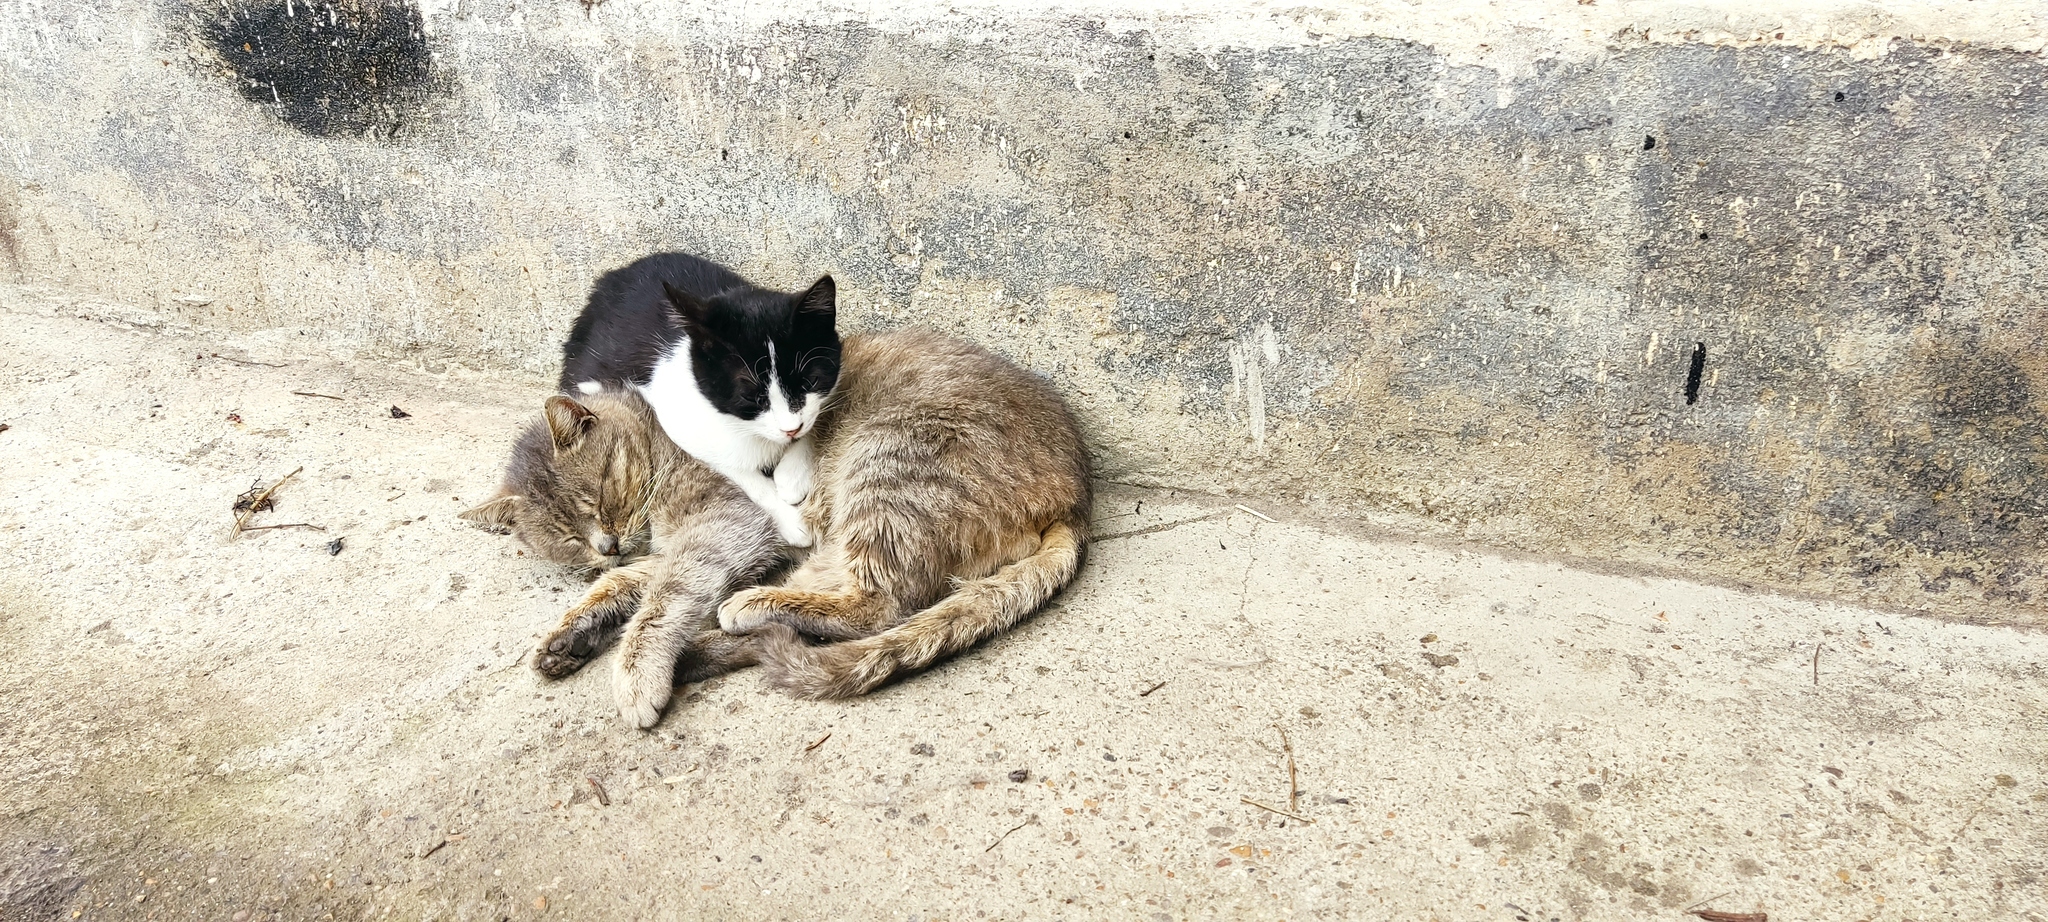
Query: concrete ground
{"points": [[196, 727]]}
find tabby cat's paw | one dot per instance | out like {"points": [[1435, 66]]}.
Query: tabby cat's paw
{"points": [[561, 653], [745, 611], [641, 694], [556, 667]]}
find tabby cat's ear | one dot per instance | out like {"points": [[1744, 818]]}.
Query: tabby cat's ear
{"points": [[820, 302], [567, 420], [688, 310], [497, 513]]}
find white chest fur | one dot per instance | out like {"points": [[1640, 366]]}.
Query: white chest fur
{"points": [[738, 448]]}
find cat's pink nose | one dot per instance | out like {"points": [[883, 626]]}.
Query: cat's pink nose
{"points": [[793, 433]]}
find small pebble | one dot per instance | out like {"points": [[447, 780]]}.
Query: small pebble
{"points": [[397, 413], [922, 749], [1021, 775], [334, 548]]}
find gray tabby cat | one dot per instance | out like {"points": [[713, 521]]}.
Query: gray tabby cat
{"points": [[596, 486], [953, 496], [951, 493]]}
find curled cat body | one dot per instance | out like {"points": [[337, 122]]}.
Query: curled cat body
{"points": [[952, 498], [953, 495]]}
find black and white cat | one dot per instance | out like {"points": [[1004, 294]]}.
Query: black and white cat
{"points": [[737, 374]]}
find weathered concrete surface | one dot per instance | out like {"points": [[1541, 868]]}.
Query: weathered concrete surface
{"points": [[1443, 266], [196, 727]]}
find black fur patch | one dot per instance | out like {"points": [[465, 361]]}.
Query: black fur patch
{"points": [[730, 335], [637, 313], [626, 325]]}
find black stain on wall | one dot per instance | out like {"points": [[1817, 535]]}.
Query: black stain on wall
{"points": [[1694, 372], [329, 69]]}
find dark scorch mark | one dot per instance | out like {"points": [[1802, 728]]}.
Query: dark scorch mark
{"points": [[330, 69]]}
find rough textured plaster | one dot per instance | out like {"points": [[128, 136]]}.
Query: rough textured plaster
{"points": [[1444, 268]]}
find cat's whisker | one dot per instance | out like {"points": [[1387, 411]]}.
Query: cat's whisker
{"points": [[831, 401]]}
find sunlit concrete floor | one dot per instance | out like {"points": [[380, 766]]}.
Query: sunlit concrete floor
{"points": [[257, 728]]}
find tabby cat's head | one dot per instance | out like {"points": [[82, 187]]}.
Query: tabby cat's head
{"points": [[576, 489]]}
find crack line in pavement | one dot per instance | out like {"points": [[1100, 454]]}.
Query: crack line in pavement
{"points": [[1244, 586], [1155, 529]]}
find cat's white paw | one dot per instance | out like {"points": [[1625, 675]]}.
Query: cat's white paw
{"points": [[793, 483], [641, 694], [794, 473], [739, 615], [791, 528]]}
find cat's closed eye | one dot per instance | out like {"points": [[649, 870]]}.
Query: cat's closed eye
{"points": [[749, 398]]}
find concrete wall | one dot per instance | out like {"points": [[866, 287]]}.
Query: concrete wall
{"points": [[1450, 268]]}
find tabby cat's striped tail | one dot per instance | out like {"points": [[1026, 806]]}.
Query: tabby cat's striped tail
{"points": [[976, 610]]}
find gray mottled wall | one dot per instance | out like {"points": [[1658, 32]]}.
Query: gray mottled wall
{"points": [[1357, 272]]}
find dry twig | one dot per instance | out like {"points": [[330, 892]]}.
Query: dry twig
{"points": [[1695, 904], [237, 361], [1006, 834], [603, 799], [1712, 915], [1293, 785], [311, 394], [1285, 813], [820, 742], [1162, 684], [259, 502]]}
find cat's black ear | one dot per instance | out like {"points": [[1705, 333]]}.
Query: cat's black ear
{"points": [[496, 514], [568, 420], [687, 309], [820, 302]]}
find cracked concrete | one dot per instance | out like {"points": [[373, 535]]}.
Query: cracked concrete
{"points": [[203, 728]]}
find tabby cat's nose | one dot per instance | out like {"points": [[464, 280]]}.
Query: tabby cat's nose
{"points": [[608, 545]]}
